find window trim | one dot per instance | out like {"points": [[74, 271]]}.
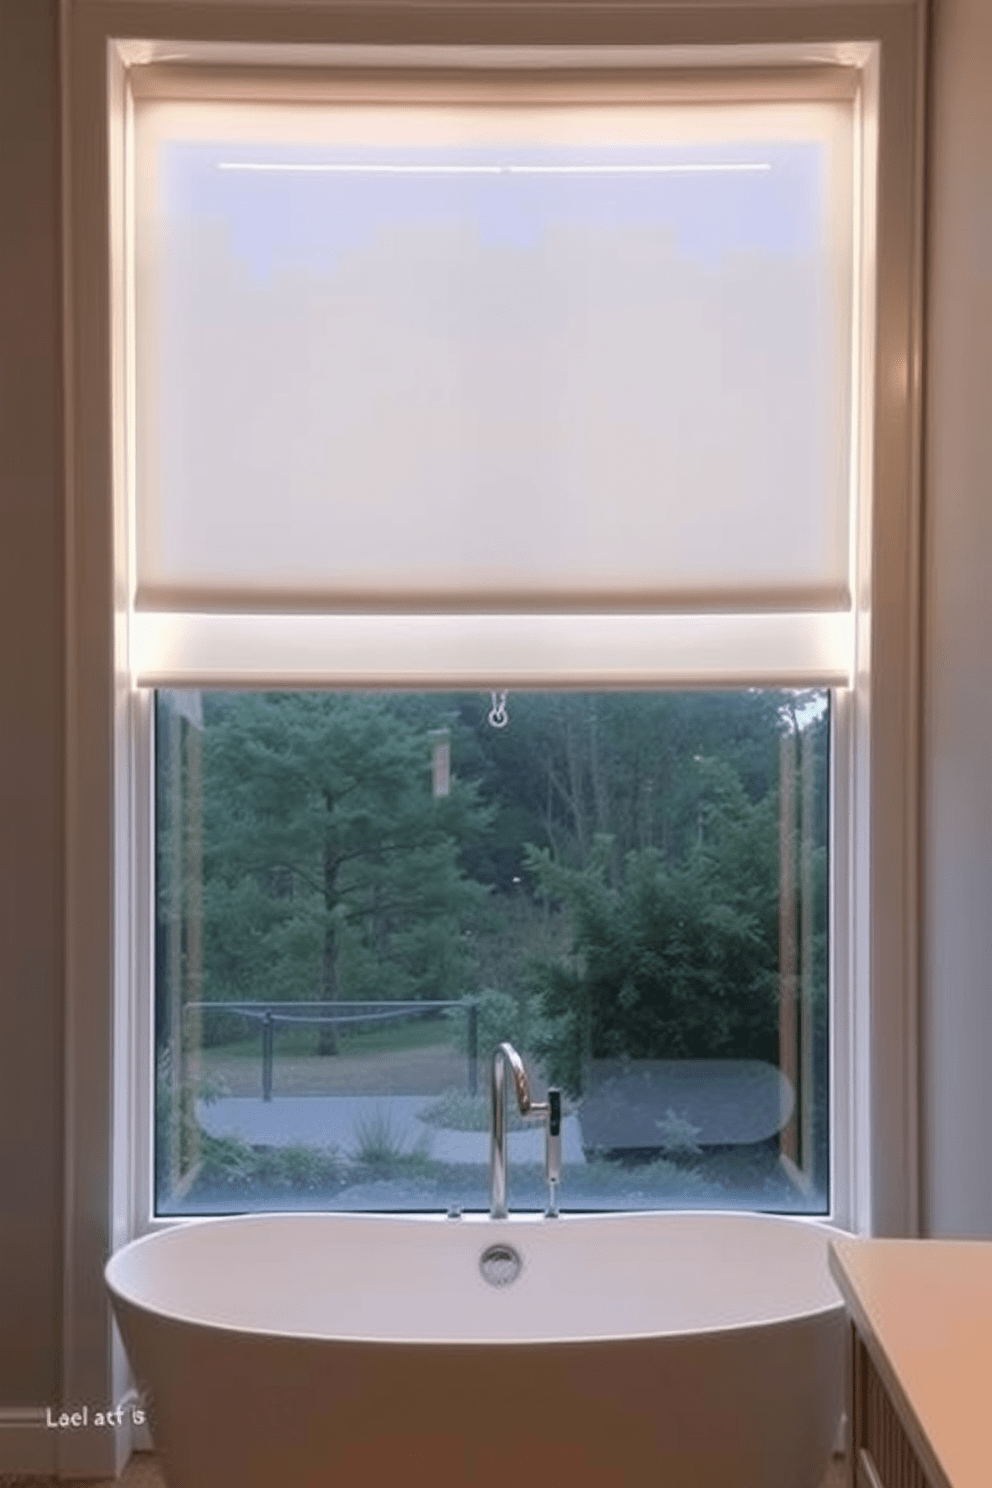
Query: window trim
{"points": [[874, 1087]]}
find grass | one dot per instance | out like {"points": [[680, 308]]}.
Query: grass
{"points": [[422, 1032], [425, 1032]]}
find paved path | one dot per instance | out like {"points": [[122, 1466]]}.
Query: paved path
{"points": [[337, 1120], [721, 1102]]}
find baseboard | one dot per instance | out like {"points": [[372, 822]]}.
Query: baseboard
{"points": [[27, 1445], [141, 1438], [32, 1441]]}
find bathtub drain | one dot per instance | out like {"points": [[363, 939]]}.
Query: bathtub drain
{"points": [[500, 1264]]}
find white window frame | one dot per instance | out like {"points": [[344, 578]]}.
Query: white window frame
{"points": [[875, 785]]}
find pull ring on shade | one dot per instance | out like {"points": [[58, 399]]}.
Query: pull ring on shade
{"points": [[497, 713]]}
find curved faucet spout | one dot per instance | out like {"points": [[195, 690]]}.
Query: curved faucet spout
{"points": [[505, 1055]]}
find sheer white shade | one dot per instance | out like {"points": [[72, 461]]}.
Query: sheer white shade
{"points": [[492, 356]]}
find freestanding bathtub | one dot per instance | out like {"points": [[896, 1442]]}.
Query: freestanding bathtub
{"points": [[291, 1351]]}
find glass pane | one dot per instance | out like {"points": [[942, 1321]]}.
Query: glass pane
{"points": [[360, 895]]}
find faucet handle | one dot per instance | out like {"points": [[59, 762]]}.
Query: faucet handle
{"points": [[552, 1147]]}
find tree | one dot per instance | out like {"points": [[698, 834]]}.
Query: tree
{"points": [[571, 766], [330, 870], [676, 960]]}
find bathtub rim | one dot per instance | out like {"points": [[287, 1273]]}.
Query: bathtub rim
{"points": [[498, 1230]]}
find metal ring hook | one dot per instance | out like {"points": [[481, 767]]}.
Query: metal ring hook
{"points": [[497, 713]]}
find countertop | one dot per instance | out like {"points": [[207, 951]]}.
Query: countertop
{"points": [[924, 1310]]}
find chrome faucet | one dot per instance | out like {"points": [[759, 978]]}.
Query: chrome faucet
{"points": [[550, 1109]]}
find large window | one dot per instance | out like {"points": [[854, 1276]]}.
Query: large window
{"points": [[360, 895], [394, 401], [454, 375]]}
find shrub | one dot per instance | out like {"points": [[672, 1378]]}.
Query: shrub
{"points": [[381, 1145], [229, 1163], [459, 1110], [502, 1018]]}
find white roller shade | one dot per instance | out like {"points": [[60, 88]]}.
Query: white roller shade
{"points": [[493, 354], [555, 650]]}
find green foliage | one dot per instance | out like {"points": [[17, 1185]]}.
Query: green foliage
{"points": [[603, 877], [381, 1146], [230, 1164], [676, 961], [678, 1136], [501, 1017], [329, 869], [658, 1183], [571, 766], [459, 1110]]}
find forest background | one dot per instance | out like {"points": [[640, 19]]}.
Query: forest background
{"points": [[602, 876]]}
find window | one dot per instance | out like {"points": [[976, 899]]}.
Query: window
{"points": [[866, 656], [487, 350], [360, 895]]}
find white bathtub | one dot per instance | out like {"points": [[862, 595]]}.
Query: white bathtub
{"points": [[291, 1351]]}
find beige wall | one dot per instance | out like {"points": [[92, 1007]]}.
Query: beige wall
{"points": [[957, 898], [957, 734], [31, 712]]}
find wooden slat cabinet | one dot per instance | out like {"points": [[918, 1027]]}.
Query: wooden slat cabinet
{"points": [[920, 1376], [881, 1453]]}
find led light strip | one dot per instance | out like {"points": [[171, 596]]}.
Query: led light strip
{"points": [[490, 170]]}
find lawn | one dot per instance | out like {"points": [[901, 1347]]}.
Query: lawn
{"points": [[417, 1056]]}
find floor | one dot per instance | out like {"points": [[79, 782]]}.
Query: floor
{"points": [[142, 1472]]}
